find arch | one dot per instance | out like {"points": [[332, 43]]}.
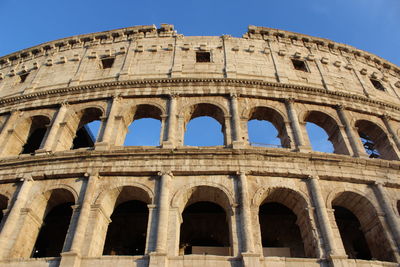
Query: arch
{"points": [[111, 194], [208, 209], [211, 102], [297, 203], [276, 118], [114, 196], [348, 202], [205, 110], [142, 112], [44, 230], [126, 206], [27, 136], [375, 140], [83, 135], [43, 202], [181, 197], [331, 126]]}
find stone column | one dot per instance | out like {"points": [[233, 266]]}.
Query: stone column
{"points": [[172, 122], [237, 140], [386, 119], [49, 144], [107, 139], [247, 232], [7, 237], [357, 152], [159, 256], [298, 136], [73, 256], [391, 217], [250, 258], [163, 209], [322, 215]]}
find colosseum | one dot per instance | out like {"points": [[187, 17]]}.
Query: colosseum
{"points": [[70, 197]]}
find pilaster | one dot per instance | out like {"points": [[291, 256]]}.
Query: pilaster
{"points": [[50, 141], [172, 122], [7, 237]]}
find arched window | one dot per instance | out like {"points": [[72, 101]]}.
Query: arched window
{"points": [[52, 235], [332, 141], [90, 120], [204, 230], [375, 141], [55, 207], [204, 126], [126, 234], [280, 234], [36, 134], [358, 221], [266, 127], [285, 225], [145, 128]]}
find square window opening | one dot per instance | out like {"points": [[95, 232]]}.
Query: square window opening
{"points": [[299, 65], [23, 76], [107, 62], [203, 57], [377, 84]]}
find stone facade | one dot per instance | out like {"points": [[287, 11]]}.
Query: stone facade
{"points": [[143, 72]]}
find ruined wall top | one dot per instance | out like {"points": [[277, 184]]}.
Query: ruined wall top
{"points": [[147, 52]]}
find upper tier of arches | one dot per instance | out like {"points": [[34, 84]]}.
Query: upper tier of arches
{"points": [[69, 126]]}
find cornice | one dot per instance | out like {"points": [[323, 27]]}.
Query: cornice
{"points": [[189, 82], [19, 165]]}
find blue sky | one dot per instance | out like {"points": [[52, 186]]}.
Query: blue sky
{"points": [[370, 25]]}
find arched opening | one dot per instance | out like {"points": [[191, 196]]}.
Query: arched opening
{"points": [[280, 235], [357, 220], [332, 141], [205, 227], [353, 239], [318, 138], [126, 234], [285, 225], [204, 126], [3, 207], [52, 235], [398, 207], [36, 134], [266, 127], [57, 214], [145, 128], [204, 230], [90, 119], [375, 140], [128, 211]]}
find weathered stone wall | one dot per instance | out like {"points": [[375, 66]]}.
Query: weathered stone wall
{"points": [[155, 74]]}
